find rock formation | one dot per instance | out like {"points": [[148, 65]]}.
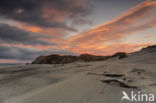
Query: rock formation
{"points": [[62, 59], [55, 59]]}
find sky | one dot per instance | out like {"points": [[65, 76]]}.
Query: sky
{"points": [[30, 28]]}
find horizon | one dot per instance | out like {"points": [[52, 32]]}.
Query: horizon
{"points": [[29, 62], [32, 28]]}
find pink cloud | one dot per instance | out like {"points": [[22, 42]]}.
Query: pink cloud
{"points": [[139, 18]]}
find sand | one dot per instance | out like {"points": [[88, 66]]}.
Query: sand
{"points": [[78, 82]]}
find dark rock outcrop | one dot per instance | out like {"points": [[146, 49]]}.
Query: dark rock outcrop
{"points": [[88, 57], [55, 59], [149, 49], [58, 59], [120, 55]]}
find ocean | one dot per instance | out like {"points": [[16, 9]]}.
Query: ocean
{"points": [[11, 64]]}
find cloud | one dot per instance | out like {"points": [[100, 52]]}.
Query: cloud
{"points": [[46, 13], [14, 35], [139, 18], [24, 53], [36, 20], [110, 49]]}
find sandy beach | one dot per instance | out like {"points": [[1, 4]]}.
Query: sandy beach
{"points": [[79, 82]]}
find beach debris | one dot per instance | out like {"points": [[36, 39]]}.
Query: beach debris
{"points": [[113, 75], [138, 71], [118, 82], [107, 74]]}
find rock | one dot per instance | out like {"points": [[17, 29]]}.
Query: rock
{"points": [[113, 75], [120, 55], [61, 59], [55, 59], [88, 57], [27, 63], [119, 82], [150, 49]]}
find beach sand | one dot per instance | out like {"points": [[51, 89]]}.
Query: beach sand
{"points": [[79, 82]]}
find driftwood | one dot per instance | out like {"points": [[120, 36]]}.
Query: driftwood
{"points": [[114, 79], [107, 74], [113, 75], [120, 82]]}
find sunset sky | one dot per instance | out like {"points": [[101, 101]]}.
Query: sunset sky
{"points": [[30, 28]]}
